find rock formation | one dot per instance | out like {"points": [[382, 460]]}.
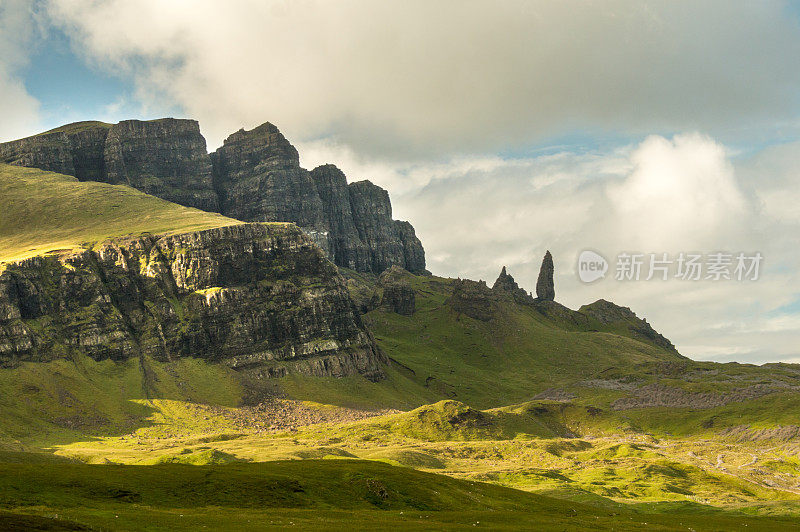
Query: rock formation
{"points": [[165, 158], [473, 298], [258, 176], [258, 298], [506, 286], [76, 150], [609, 313], [398, 294], [545, 288], [254, 176]]}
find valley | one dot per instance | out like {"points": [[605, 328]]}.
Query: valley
{"points": [[163, 363]]}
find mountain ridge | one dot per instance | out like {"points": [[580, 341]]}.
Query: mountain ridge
{"points": [[254, 176]]}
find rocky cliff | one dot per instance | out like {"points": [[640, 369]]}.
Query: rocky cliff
{"points": [[254, 176], [258, 298], [76, 150], [258, 176], [166, 158]]}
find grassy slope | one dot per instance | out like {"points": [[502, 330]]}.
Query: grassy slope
{"points": [[334, 494], [77, 127], [437, 354], [510, 359], [44, 211]]}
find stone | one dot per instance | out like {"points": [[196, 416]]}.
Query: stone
{"points": [[398, 294], [254, 176], [346, 247], [165, 158], [506, 286], [258, 177], [474, 299], [609, 313], [545, 287], [258, 298]]}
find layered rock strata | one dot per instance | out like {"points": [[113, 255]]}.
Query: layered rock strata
{"points": [[254, 176], [255, 297]]}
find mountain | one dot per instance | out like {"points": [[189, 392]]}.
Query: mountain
{"points": [[254, 176], [260, 298], [134, 330]]}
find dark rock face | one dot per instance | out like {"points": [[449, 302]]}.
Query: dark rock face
{"points": [[258, 177], [257, 298], [506, 286], [88, 152], [166, 158], [77, 151], [372, 216], [473, 298], [255, 176], [345, 245], [258, 174], [545, 288], [609, 313], [413, 252], [398, 295], [48, 151]]}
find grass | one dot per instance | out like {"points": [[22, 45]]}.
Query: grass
{"points": [[510, 359], [44, 211], [311, 494], [77, 127]]}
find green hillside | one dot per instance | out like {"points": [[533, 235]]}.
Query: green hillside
{"points": [[44, 211], [590, 413], [307, 495]]}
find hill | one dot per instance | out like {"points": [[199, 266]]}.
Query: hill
{"points": [[43, 211], [255, 176], [141, 332]]}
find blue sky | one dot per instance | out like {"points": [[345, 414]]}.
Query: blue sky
{"points": [[502, 132]]}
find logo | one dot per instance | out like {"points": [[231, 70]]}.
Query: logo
{"points": [[591, 266]]}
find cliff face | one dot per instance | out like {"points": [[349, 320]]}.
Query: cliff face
{"points": [[259, 298], [254, 176], [76, 150], [166, 158], [258, 176]]}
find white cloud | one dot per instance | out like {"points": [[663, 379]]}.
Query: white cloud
{"points": [[19, 111], [420, 97], [402, 79], [681, 195], [662, 195]]}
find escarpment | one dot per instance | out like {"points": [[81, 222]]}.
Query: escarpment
{"points": [[258, 177], [260, 298], [255, 176]]}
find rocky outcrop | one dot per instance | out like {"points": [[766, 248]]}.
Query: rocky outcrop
{"points": [[258, 298], [474, 299], [166, 158], [75, 150], [258, 177], [344, 242], [398, 294], [255, 176], [506, 286], [608, 313], [545, 287]]}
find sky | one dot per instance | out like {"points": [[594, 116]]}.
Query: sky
{"points": [[500, 129]]}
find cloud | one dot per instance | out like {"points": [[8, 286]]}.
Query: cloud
{"points": [[683, 193], [418, 78], [19, 111], [428, 99]]}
